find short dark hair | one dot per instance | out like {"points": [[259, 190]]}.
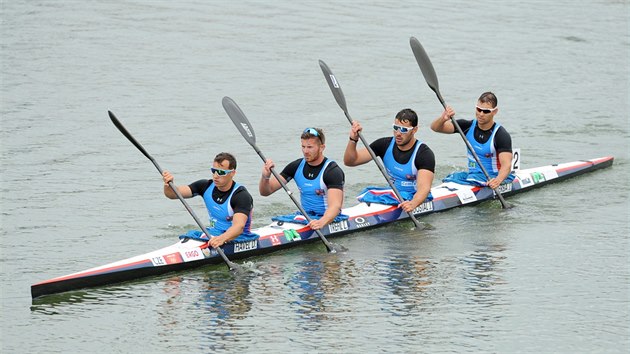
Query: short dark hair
{"points": [[223, 156], [314, 133], [488, 97], [408, 115]]}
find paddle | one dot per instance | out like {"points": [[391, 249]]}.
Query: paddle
{"points": [[341, 101], [242, 124], [431, 78], [230, 264]]}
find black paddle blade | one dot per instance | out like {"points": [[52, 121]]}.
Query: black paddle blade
{"points": [[239, 119], [425, 64], [128, 135], [334, 86]]}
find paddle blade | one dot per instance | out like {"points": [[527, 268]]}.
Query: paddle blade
{"points": [[240, 120], [425, 64], [129, 137], [334, 86]]}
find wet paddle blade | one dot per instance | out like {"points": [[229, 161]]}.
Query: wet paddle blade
{"points": [[425, 64], [128, 135], [334, 86], [240, 120]]}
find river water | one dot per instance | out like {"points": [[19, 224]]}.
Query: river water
{"points": [[551, 274]]}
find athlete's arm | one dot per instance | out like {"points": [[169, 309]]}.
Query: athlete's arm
{"points": [[335, 200]]}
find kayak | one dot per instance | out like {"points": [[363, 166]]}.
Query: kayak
{"points": [[190, 253]]}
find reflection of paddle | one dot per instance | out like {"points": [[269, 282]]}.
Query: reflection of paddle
{"points": [[230, 264], [431, 78], [341, 101], [245, 128]]}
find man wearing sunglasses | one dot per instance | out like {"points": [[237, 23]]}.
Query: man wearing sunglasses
{"points": [[409, 162], [319, 179], [489, 139], [229, 204]]}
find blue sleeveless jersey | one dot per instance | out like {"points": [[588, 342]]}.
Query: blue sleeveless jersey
{"points": [[313, 192], [486, 152], [403, 176], [221, 214]]}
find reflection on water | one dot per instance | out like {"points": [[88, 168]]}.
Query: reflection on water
{"points": [[82, 300], [214, 302], [314, 285], [408, 279], [482, 273], [172, 292], [49, 305], [226, 297], [224, 300], [481, 295]]}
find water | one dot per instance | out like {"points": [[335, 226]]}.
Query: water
{"points": [[550, 274]]}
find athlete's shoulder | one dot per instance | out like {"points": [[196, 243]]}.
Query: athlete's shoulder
{"points": [[199, 187], [502, 130], [241, 189]]}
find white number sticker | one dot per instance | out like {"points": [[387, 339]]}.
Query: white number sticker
{"points": [[516, 159]]}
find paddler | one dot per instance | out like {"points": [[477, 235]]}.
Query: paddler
{"points": [[319, 179], [229, 204], [489, 139], [409, 162]]}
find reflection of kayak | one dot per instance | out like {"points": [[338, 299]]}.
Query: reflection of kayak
{"points": [[189, 253]]}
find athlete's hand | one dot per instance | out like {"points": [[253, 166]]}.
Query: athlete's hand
{"points": [[266, 171], [167, 177], [407, 206], [494, 183], [448, 113], [316, 224], [216, 242], [355, 129]]}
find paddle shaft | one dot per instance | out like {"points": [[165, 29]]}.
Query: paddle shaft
{"points": [[341, 101], [426, 67], [231, 265], [244, 127]]}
